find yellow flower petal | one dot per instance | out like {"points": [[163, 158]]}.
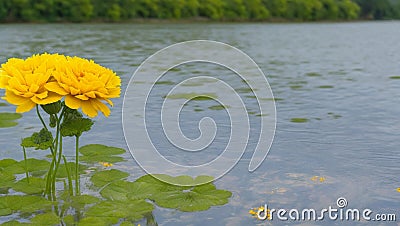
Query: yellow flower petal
{"points": [[25, 107], [72, 102], [55, 87], [50, 98], [89, 109], [398, 189], [14, 99], [100, 106]]}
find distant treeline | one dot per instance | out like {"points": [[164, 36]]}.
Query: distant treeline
{"points": [[218, 10]]}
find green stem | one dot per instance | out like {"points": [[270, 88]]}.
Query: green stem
{"points": [[26, 164], [77, 189], [40, 117], [57, 163], [71, 190]]}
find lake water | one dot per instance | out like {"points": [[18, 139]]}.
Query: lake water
{"points": [[334, 77]]}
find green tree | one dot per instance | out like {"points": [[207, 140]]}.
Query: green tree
{"points": [[277, 8], [5, 8], [212, 9], [190, 8], [348, 10], [256, 10], [234, 10]]}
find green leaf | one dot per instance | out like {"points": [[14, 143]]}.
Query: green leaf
{"points": [[35, 186], [62, 171], [98, 221], [185, 198], [93, 153], [132, 210], [82, 200], [14, 223], [124, 190], [33, 165], [46, 219], [24, 204], [6, 179], [198, 198], [42, 140], [101, 178], [75, 126], [7, 162], [8, 119], [127, 223]]}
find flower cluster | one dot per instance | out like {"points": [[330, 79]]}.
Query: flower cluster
{"points": [[47, 78]]}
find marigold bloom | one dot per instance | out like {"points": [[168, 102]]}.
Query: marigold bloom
{"points": [[25, 80], [85, 85]]}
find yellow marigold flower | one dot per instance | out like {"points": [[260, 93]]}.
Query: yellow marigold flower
{"points": [[25, 80], [398, 189], [85, 85]]}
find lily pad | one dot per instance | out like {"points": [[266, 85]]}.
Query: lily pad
{"points": [[184, 198], [299, 120], [46, 219], [93, 153], [7, 162], [98, 221], [14, 223], [62, 171], [33, 165], [81, 200], [34, 186], [193, 96], [8, 119], [123, 190], [218, 107], [101, 178], [395, 77], [198, 198], [6, 179], [132, 210], [25, 204]]}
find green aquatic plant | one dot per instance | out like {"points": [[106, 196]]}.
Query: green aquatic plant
{"points": [[110, 197], [8, 119]]}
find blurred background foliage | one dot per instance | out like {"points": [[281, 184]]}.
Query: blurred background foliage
{"points": [[215, 10]]}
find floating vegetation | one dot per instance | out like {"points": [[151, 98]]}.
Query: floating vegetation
{"points": [[272, 99], [313, 74], [325, 87], [245, 90], [3, 104], [277, 62], [299, 120], [193, 96], [340, 72], [395, 77], [8, 119], [118, 199], [165, 83], [218, 107], [333, 115], [296, 87]]}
